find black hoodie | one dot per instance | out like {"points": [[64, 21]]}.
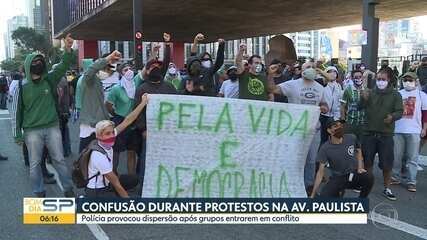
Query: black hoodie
{"points": [[206, 76]]}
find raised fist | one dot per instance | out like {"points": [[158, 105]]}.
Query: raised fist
{"points": [[199, 37], [114, 57], [166, 37], [68, 42], [243, 47]]}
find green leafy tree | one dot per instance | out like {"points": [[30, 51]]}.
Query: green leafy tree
{"points": [[28, 40], [10, 65]]}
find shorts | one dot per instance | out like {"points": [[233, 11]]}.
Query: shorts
{"points": [[383, 145], [129, 139], [354, 129]]}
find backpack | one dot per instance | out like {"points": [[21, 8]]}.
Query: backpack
{"points": [[79, 173]]}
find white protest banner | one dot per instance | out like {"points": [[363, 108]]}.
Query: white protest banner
{"points": [[215, 147]]}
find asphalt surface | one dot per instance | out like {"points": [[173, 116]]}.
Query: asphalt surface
{"points": [[410, 207]]}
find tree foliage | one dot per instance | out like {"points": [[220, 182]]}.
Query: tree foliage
{"points": [[30, 40]]}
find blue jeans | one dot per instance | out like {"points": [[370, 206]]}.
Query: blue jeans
{"points": [[406, 147], [51, 138], [310, 163]]}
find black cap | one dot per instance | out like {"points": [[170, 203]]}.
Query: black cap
{"points": [[275, 61], [331, 122]]}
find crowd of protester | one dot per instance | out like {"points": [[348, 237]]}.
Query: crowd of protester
{"points": [[364, 115]]}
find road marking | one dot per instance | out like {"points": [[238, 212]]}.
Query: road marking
{"points": [[398, 225], [95, 229], [422, 160], [5, 118], [4, 111]]}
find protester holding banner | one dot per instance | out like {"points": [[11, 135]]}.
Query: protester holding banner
{"points": [[305, 91], [100, 168], [343, 153], [383, 107], [153, 74], [253, 84]]}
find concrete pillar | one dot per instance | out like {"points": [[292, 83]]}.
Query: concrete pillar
{"points": [[178, 54], [371, 25]]}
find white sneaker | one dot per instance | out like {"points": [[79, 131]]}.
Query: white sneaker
{"points": [[388, 194]]}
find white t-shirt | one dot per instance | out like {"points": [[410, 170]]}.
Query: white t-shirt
{"points": [[99, 163], [333, 94], [230, 89], [300, 92], [109, 82], [413, 102], [86, 130]]}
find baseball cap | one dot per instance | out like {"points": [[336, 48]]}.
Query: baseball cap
{"points": [[331, 122], [410, 74], [331, 68]]}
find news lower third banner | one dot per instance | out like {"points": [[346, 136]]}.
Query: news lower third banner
{"points": [[195, 211]]}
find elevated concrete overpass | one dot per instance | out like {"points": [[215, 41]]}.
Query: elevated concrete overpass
{"points": [[229, 19]]}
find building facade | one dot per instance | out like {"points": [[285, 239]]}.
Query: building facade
{"points": [[13, 24]]}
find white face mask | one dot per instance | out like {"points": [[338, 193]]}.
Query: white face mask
{"points": [[172, 71], [381, 84], [102, 75], [258, 68], [409, 86], [358, 82], [206, 64], [309, 74], [128, 75]]}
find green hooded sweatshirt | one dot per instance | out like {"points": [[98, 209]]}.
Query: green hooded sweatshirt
{"points": [[37, 103], [86, 64], [379, 104]]}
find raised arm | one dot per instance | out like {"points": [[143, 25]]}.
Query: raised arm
{"points": [[167, 53], [59, 71], [239, 58], [219, 55], [89, 75], [199, 37], [272, 87], [133, 115]]}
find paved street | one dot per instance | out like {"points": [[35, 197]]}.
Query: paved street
{"points": [[410, 208]]}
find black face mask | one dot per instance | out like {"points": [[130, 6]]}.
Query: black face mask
{"points": [[37, 68], [232, 76], [155, 75]]}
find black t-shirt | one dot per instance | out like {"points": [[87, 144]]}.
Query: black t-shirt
{"points": [[341, 157], [150, 88], [278, 80]]}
